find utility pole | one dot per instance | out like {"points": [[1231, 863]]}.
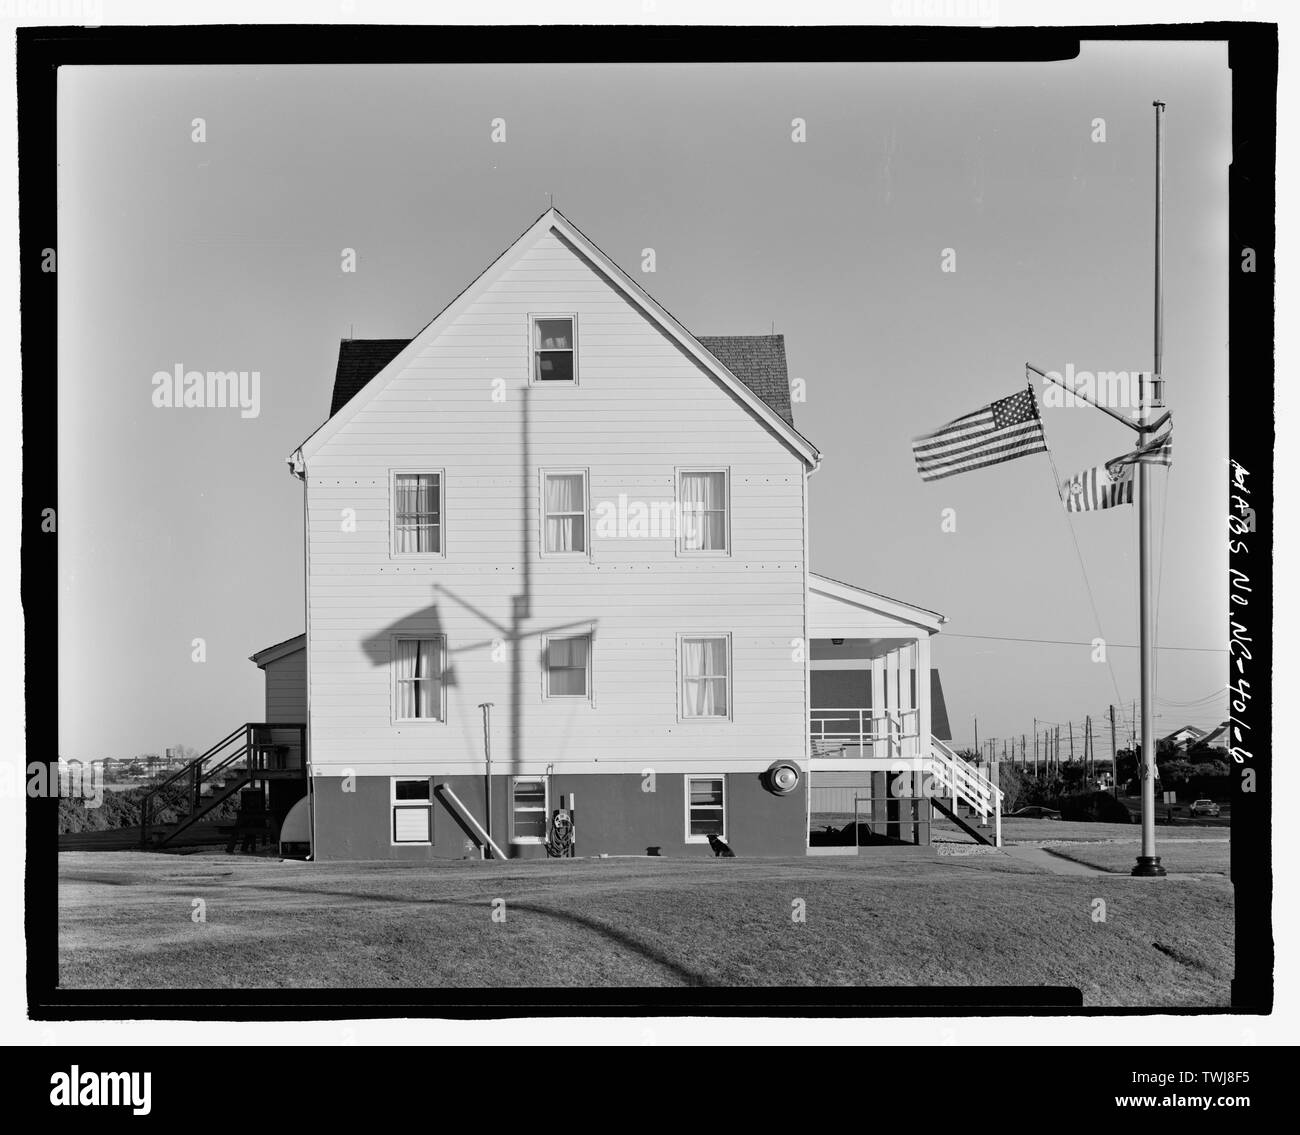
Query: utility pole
{"points": [[1071, 725], [1022, 749], [977, 734], [1152, 400], [1087, 745], [1114, 754]]}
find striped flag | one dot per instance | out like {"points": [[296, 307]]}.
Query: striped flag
{"points": [[1158, 451], [1102, 487], [1001, 431]]}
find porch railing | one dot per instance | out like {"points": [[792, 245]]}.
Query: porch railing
{"points": [[832, 730]]}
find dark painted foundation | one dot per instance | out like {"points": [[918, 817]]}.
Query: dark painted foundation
{"points": [[613, 815]]}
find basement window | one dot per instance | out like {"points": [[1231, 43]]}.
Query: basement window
{"points": [[529, 797], [706, 808], [554, 351], [412, 807]]}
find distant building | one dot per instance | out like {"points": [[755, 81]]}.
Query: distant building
{"points": [[1182, 739]]}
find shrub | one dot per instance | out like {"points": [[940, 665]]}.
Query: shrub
{"points": [[1097, 807], [122, 810]]}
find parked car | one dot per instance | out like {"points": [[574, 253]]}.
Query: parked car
{"points": [[1037, 812], [1203, 808]]}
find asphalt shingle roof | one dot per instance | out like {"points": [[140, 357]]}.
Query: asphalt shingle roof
{"points": [[757, 360], [359, 361]]}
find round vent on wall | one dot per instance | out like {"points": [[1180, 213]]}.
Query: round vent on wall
{"points": [[782, 778]]}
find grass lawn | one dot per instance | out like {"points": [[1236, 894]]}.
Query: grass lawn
{"points": [[896, 917], [1023, 830], [1179, 855]]}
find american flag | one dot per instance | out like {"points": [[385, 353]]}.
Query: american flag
{"points": [[1001, 431], [1101, 487]]}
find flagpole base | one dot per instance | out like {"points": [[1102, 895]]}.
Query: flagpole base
{"points": [[1148, 867]]}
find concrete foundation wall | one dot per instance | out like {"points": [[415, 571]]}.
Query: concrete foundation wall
{"points": [[614, 816]]}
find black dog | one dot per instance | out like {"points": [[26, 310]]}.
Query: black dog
{"points": [[720, 849]]}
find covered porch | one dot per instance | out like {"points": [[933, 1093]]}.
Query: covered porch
{"points": [[878, 762], [871, 687], [870, 718]]}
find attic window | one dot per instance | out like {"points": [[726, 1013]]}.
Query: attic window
{"points": [[553, 348]]}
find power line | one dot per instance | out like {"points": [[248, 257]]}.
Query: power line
{"points": [[1074, 642]]}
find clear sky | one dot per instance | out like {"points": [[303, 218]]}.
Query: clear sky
{"points": [[226, 255]]}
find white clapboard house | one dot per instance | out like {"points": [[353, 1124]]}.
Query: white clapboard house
{"points": [[557, 570]]}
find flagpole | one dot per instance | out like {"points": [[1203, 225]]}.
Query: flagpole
{"points": [[1152, 398], [1084, 398]]}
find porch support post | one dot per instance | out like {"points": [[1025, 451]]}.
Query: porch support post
{"points": [[877, 693], [891, 690], [907, 665], [923, 693]]}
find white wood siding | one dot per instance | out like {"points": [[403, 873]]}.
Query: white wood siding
{"points": [[286, 689], [641, 409]]}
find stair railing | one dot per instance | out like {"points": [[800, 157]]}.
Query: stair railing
{"points": [[969, 784], [244, 743]]}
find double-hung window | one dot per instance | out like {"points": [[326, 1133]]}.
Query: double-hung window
{"points": [[567, 663], [417, 513], [703, 509], [529, 800], [417, 678], [706, 676], [706, 808], [564, 512], [555, 355], [412, 809]]}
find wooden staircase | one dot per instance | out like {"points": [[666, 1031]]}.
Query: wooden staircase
{"points": [[963, 784], [250, 756]]}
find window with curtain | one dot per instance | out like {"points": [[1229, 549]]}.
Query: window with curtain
{"points": [[568, 667], [706, 812], [553, 349], [702, 506], [412, 807], [705, 676], [418, 676], [565, 529], [528, 809], [417, 512]]}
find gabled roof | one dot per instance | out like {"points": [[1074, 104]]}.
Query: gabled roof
{"points": [[1195, 733], [553, 221], [757, 360], [1218, 737], [939, 725], [872, 600], [279, 650]]}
